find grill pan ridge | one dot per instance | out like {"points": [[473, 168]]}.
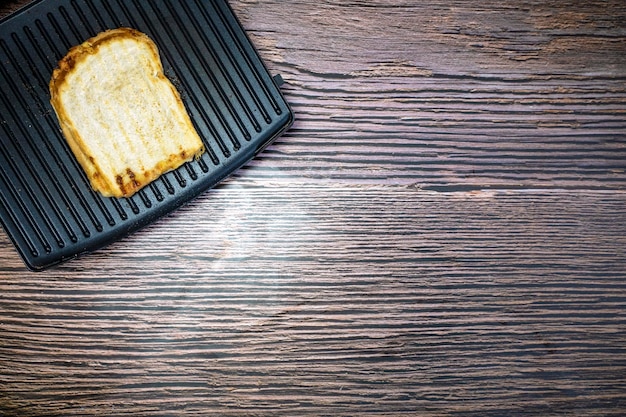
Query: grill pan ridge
{"points": [[47, 207]]}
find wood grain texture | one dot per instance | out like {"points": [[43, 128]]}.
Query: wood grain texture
{"points": [[442, 232], [451, 93]]}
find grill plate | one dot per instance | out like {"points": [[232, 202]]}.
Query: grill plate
{"points": [[46, 204]]}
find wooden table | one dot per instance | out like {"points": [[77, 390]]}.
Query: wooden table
{"points": [[442, 232]]}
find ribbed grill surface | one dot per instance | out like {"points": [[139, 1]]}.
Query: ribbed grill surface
{"points": [[46, 204]]}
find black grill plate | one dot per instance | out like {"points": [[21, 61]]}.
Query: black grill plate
{"points": [[46, 204]]}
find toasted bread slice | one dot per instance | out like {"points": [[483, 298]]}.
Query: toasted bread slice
{"points": [[122, 118]]}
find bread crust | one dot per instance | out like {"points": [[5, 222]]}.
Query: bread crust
{"points": [[79, 53], [127, 180]]}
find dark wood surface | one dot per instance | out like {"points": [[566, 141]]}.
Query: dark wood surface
{"points": [[442, 232]]}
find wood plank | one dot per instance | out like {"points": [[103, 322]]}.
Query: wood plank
{"points": [[387, 300], [412, 131], [503, 39], [448, 94]]}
